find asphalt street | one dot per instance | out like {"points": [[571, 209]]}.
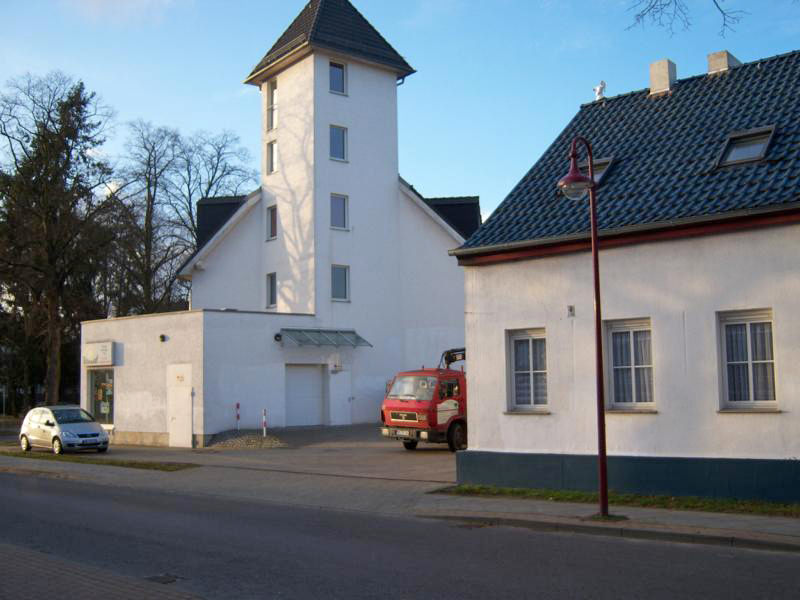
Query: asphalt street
{"points": [[215, 547]]}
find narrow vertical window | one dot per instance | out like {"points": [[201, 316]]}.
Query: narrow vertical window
{"points": [[272, 157], [339, 211], [272, 222], [337, 78], [528, 370], [340, 282], [748, 361], [338, 142], [631, 364], [272, 290], [272, 104]]}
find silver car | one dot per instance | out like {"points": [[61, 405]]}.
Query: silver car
{"points": [[62, 428]]}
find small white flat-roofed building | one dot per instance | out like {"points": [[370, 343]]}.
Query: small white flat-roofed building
{"points": [[309, 293], [698, 199]]}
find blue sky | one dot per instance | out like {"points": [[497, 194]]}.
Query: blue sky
{"points": [[497, 79]]}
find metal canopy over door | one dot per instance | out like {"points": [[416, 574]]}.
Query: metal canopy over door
{"points": [[179, 405], [305, 403]]}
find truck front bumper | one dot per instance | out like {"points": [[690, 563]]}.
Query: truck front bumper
{"points": [[413, 433]]}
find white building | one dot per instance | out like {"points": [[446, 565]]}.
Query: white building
{"points": [[312, 291], [698, 193]]}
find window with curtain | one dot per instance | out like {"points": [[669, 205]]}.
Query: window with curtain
{"points": [[338, 150], [528, 376], [748, 368], [631, 364]]}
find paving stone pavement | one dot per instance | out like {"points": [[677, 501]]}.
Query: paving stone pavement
{"points": [[27, 573]]}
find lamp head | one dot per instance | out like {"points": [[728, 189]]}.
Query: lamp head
{"points": [[575, 185]]}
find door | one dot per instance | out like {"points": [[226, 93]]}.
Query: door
{"points": [[101, 390], [304, 395], [179, 405]]}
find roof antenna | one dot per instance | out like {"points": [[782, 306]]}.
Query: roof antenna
{"points": [[600, 90]]}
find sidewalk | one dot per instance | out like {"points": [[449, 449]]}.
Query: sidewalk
{"points": [[266, 482], [41, 575]]}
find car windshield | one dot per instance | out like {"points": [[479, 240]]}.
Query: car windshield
{"points": [[413, 387], [72, 415]]}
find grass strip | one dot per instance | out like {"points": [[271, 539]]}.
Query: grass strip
{"points": [[718, 505], [109, 462]]}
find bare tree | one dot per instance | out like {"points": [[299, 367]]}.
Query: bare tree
{"points": [[151, 253], [54, 220], [672, 14], [206, 165]]}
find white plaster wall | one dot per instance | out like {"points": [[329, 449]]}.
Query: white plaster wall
{"points": [[140, 371], [430, 286], [291, 188], [680, 286], [243, 363], [232, 274]]}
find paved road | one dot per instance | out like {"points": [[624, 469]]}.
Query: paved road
{"points": [[221, 548]]}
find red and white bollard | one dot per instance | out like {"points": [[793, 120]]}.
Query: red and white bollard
{"points": [[237, 416], [264, 423]]}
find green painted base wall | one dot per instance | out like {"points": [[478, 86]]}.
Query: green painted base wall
{"points": [[775, 480]]}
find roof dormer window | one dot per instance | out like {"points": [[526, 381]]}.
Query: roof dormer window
{"points": [[746, 146], [600, 167]]}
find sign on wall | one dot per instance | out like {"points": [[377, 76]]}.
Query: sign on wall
{"points": [[98, 354]]}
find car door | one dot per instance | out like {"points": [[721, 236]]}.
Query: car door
{"points": [[46, 426], [448, 406], [33, 432]]}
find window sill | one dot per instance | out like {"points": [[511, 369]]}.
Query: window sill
{"points": [[754, 410], [533, 411], [271, 239], [340, 299], [340, 228], [631, 411], [345, 94], [340, 160]]}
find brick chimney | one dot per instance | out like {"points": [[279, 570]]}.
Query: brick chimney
{"points": [[662, 76], [719, 62]]}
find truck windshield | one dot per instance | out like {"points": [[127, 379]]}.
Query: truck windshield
{"points": [[413, 387]]}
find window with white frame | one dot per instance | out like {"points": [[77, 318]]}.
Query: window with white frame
{"points": [[338, 140], [340, 282], [339, 211], [748, 362], [272, 290], [272, 222], [272, 157], [272, 105], [338, 82], [528, 369], [631, 363]]}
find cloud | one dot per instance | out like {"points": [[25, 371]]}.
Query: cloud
{"points": [[120, 12]]}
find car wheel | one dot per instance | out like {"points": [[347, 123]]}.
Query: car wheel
{"points": [[101, 450], [457, 438], [57, 447], [410, 444], [24, 443]]}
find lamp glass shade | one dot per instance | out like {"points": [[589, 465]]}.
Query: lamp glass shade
{"points": [[575, 185]]}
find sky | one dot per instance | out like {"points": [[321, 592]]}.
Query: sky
{"points": [[496, 80]]}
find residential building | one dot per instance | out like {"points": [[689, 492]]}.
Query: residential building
{"points": [[698, 199], [309, 293]]}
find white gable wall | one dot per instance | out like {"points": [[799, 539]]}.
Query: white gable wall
{"points": [[680, 286]]}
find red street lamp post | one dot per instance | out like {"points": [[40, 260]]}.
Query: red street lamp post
{"points": [[574, 186]]}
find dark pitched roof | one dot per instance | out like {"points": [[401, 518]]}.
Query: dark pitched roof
{"points": [[665, 149], [462, 213], [213, 213], [335, 25]]}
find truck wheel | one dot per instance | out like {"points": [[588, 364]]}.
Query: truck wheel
{"points": [[457, 437], [410, 445]]}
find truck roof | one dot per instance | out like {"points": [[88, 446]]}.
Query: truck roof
{"points": [[432, 371]]}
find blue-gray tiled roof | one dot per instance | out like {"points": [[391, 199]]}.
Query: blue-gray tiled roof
{"points": [[665, 150]]}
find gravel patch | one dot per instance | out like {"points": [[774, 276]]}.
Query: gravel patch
{"points": [[245, 438]]}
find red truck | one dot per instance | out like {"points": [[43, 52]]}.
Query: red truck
{"points": [[428, 405]]}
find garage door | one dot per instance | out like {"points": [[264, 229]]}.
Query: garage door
{"points": [[304, 398]]}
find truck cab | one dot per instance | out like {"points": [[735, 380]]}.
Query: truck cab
{"points": [[427, 405]]}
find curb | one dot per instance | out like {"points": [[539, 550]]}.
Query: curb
{"points": [[632, 530]]}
